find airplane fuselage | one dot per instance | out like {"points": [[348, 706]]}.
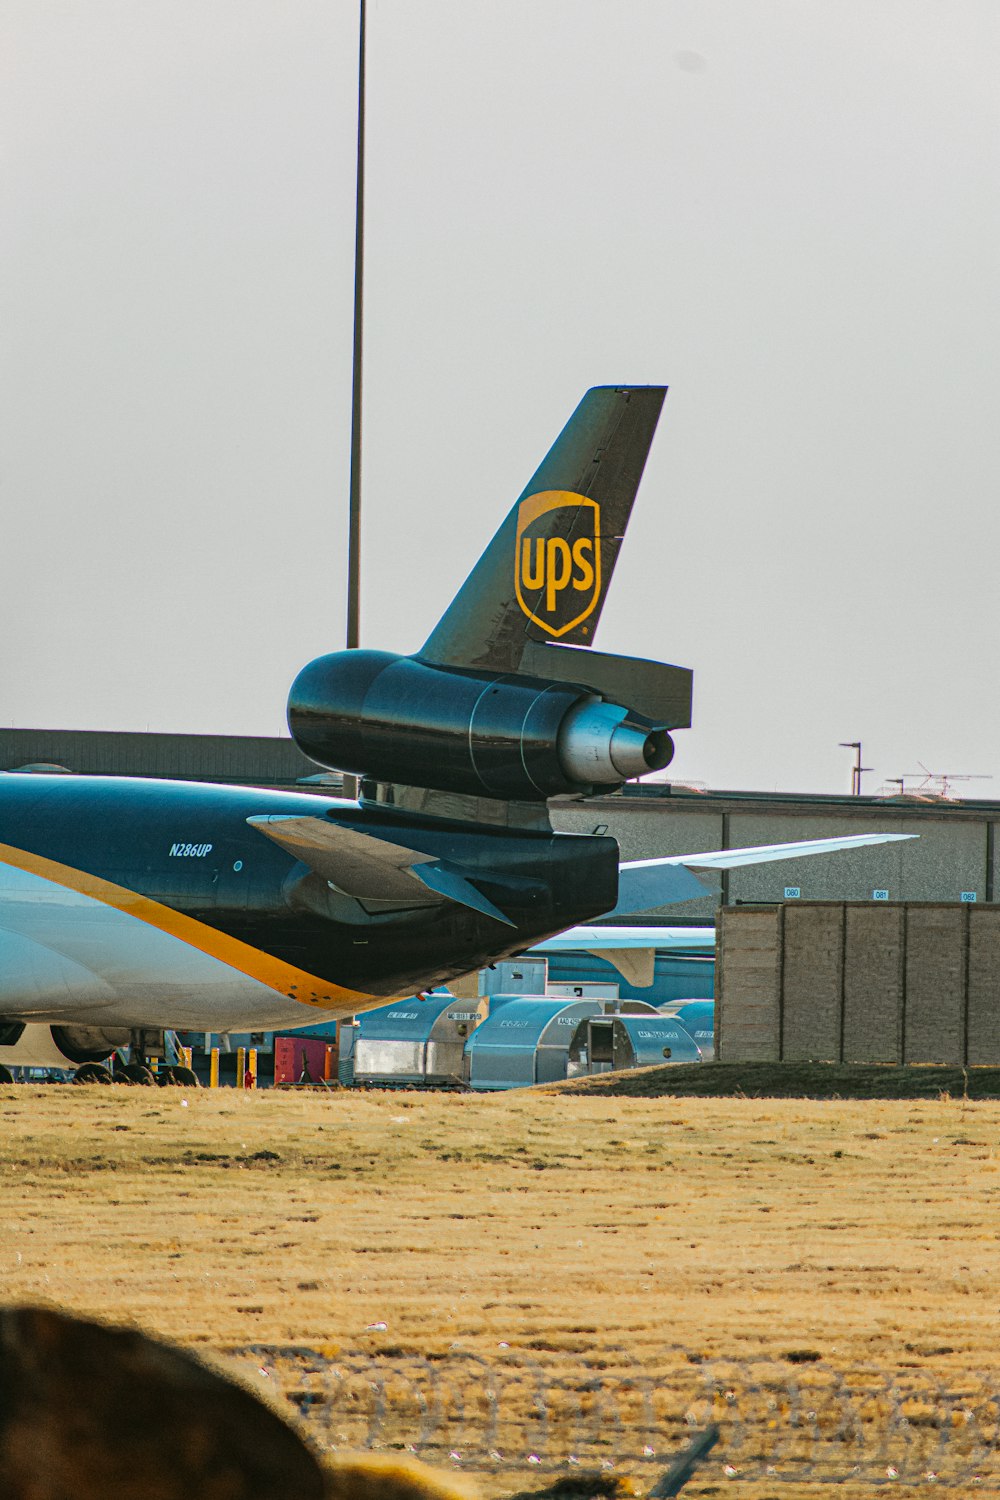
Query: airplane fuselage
{"points": [[133, 902]]}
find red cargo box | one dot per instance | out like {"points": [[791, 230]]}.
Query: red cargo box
{"points": [[303, 1059]]}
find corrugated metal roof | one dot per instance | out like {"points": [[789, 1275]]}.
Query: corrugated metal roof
{"points": [[520, 1022], [662, 794], [248, 760], [405, 1020]]}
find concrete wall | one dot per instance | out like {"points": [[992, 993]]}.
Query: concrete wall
{"points": [[748, 962], [811, 981], [874, 984], [859, 982], [983, 1012]]}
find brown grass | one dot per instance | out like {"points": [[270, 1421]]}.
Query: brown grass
{"points": [[620, 1249]]}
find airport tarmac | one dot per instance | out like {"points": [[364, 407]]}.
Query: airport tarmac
{"points": [[511, 1283]]}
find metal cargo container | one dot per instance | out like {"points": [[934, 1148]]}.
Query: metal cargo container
{"points": [[524, 1040], [415, 1041], [302, 1060], [345, 1059], [603, 1044], [698, 1017]]}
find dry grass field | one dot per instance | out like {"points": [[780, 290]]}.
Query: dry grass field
{"points": [[547, 1276]]}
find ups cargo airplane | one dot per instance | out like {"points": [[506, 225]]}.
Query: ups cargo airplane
{"points": [[129, 905]]}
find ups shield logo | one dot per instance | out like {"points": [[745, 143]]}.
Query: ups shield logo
{"points": [[558, 576]]}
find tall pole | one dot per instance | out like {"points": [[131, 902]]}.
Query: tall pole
{"points": [[354, 522], [858, 769]]}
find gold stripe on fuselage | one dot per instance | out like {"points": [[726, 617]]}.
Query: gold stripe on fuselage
{"points": [[286, 979]]}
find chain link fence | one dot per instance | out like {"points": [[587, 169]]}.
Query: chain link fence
{"points": [[779, 1420]]}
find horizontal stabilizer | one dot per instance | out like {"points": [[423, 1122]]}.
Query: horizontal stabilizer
{"points": [[370, 868], [646, 883], [358, 864], [660, 692], [449, 882]]}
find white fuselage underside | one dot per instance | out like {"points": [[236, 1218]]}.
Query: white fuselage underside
{"points": [[66, 957]]}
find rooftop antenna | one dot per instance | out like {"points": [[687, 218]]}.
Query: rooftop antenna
{"points": [[944, 780], [857, 770], [354, 515]]}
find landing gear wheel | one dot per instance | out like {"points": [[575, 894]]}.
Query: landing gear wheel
{"points": [[6, 1076], [91, 1073], [137, 1073], [186, 1078]]}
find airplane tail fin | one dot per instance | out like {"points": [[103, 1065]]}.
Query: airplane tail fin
{"points": [[544, 576], [507, 702]]}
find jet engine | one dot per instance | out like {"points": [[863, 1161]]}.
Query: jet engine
{"points": [[83, 1044], [40, 1046], [400, 719]]}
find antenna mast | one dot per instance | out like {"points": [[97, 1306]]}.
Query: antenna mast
{"points": [[354, 520]]}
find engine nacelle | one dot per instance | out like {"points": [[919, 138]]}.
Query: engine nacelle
{"points": [[38, 1045], [396, 718], [83, 1044]]}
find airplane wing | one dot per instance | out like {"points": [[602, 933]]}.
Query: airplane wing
{"points": [[630, 950], [644, 883], [373, 869], [624, 939]]}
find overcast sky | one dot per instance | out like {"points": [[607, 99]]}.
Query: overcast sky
{"points": [[786, 211]]}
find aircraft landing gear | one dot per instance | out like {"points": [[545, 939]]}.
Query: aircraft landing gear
{"points": [[91, 1072], [136, 1072], [179, 1076], [143, 1045], [6, 1076]]}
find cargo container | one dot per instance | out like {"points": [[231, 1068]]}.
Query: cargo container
{"points": [[524, 1040], [603, 1044], [698, 1017], [416, 1041], [303, 1060]]}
